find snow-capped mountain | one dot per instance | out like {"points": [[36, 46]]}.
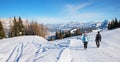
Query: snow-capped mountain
{"points": [[103, 24], [71, 25]]}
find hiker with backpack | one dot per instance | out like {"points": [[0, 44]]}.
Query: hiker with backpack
{"points": [[98, 39], [85, 40]]}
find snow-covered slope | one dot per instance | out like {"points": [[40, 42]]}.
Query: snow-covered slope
{"points": [[37, 49], [20, 48]]}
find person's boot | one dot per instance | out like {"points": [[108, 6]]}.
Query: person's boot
{"points": [[85, 47], [97, 46]]}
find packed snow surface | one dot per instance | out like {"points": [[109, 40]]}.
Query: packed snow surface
{"points": [[37, 49]]}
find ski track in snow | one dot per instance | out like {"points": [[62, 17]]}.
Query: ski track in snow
{"points": [[36, 49], [11, 54]]}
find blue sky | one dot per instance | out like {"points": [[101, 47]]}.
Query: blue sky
{"points": [[61, 11]]}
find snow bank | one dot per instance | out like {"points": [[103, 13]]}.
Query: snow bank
{"points": [[19, 49]]}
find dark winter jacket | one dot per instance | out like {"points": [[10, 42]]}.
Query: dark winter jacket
{"points": [[98, 37]]}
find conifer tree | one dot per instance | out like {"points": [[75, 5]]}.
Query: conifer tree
{"points": [[2, 33], [14, 30], [116, 23], [17, 28], [113, 24], [119, 24], [21, 27], [67, 34], [57, 33], [61, 35], [78, 32], [109, 26]]}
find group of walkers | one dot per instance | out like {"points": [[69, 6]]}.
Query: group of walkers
{"points": [[85, 39]]}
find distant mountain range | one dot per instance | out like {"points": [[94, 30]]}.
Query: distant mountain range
{"points": [[66, 26], [72, 25]]}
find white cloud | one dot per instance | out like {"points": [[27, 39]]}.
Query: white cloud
{"points": [[73, 13], [70, 13], [83, 17], [71, 9]]}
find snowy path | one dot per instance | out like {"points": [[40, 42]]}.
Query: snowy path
{"points": [[108, 51], [101, 54], [37, 49]]}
